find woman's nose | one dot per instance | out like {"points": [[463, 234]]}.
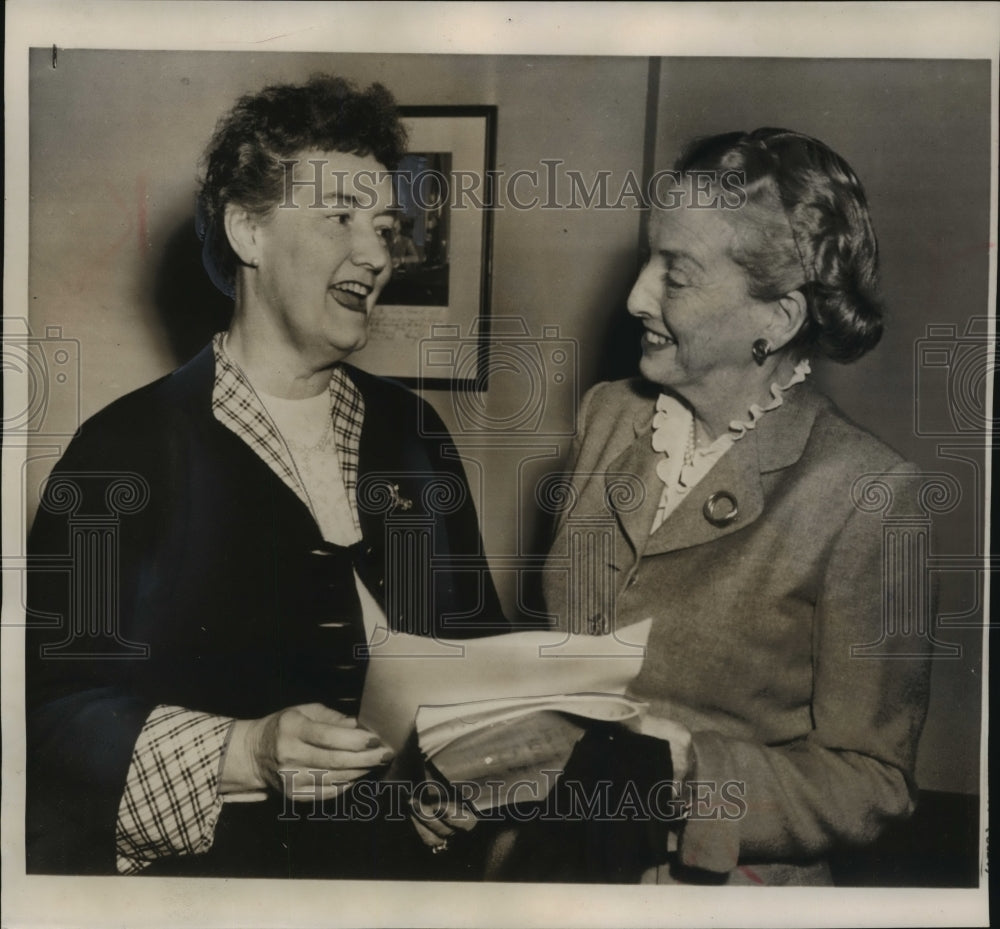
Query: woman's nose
{"points": [[644, 300], [368, 247]]}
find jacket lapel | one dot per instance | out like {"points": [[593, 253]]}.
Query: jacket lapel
{"points": [[632, 488], [733, 481], [778, 442]]}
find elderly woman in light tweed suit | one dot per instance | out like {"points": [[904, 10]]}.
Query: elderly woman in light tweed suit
{"points": [[762, 573]]}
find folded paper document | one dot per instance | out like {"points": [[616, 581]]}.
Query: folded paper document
{"points": [[407, 672], [502, 752]]}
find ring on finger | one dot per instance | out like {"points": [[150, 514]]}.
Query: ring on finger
{"points": [[438, 849]]}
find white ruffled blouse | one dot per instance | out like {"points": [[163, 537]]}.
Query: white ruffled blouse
{"points": [[672, 432]]}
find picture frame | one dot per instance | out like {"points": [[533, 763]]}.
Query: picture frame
{"points": [[441, 253]]}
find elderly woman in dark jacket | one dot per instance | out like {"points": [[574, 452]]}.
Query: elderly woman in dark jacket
{"points": [[779, 668]]}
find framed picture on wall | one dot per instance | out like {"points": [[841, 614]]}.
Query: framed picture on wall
{"points": [[440, 252]]}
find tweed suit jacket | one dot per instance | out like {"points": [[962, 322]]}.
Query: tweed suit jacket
{"points": [[769, 631]]}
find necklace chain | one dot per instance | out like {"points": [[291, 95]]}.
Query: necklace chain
{"points": [[322, 443], [281, 436]]}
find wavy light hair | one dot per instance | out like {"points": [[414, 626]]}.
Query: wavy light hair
{"points": [[806, 227]]}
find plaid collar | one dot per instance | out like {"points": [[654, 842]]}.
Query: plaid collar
{"points": [[236, 405]]}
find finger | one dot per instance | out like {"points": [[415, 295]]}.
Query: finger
{"points": [[432, 810], [308, 757], [324, 714], [308, 777], [324, 735], [437, 827], [459, 817], [307, 783], [332, 791], [427, 836]]}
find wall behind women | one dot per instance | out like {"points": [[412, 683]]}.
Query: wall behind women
{"points": [[114, 142], [115, 137]]}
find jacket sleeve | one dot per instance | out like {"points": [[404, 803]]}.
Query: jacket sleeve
{"points": [[171, 802], [853, 773], [82, 715], [85, 657]]}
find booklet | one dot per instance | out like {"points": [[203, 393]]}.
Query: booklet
{"points": [[499, 716], [498, 753]]}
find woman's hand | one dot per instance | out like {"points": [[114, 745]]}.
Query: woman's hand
{"points": [[436, 816], [298, 750], [679, 738]]}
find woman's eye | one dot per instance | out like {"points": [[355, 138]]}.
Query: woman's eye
{"points": [[386, 234]]}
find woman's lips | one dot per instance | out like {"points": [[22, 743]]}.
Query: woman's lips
{"points": [[351, 294]]}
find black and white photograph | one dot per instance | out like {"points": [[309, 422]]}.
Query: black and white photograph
{"points": [[498, 464]]}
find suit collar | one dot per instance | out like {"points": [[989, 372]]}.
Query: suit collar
{"points": [[782, 433], [733, 481], [213, 384], [777, 442]]}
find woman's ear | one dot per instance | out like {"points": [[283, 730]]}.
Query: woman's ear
{"points": [[790, 313], [241, 230]]}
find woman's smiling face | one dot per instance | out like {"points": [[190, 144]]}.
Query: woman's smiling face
{"points": [[700, 320], [322, 262]]}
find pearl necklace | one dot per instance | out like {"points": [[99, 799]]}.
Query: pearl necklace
{"points": [[692, 444], [695, 461]]}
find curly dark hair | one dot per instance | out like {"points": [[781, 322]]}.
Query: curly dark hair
{"points": [[242, 163], [809, 229]]}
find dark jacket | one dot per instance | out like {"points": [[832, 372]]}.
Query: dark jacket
{"points": [[209, 588]]}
